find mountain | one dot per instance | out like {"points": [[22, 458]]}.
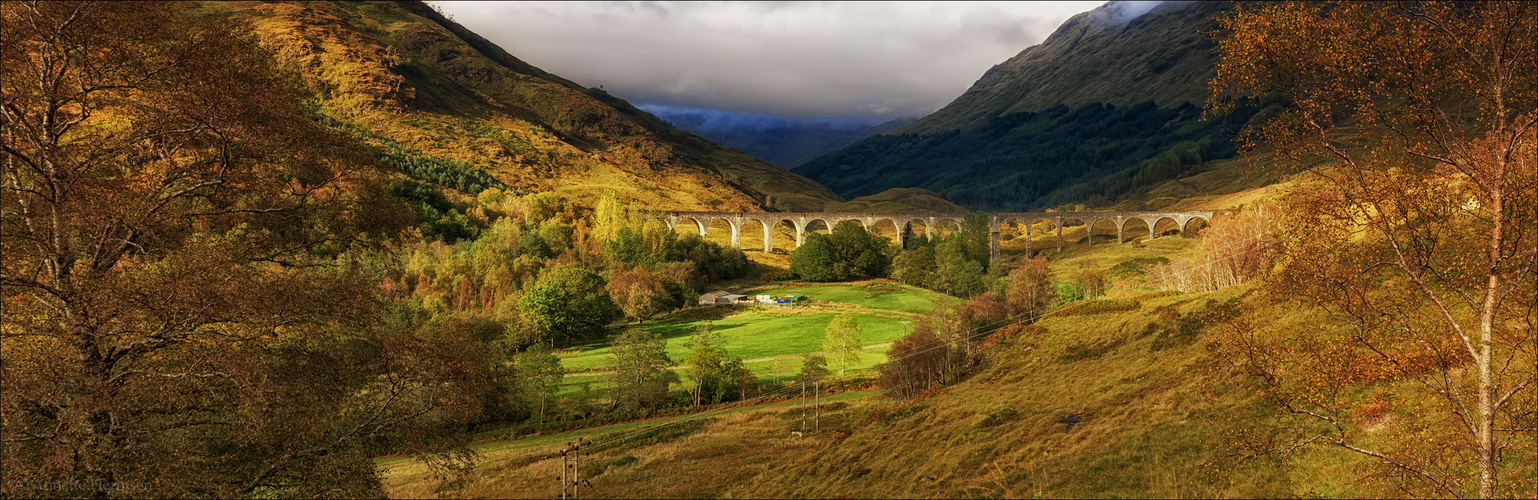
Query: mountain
{"points": [[447, 106], [1106, 108], [898, 200], [781, 141]]}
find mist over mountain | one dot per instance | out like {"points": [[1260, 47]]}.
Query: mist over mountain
{"points": [[1107, 107], [786, 142]]}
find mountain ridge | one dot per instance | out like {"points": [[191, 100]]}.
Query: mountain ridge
{"points": [[1180, 65], [1104, 111], [406, 77]]}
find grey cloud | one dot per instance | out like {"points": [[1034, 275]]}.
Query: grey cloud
{"points": [[794, 59]]}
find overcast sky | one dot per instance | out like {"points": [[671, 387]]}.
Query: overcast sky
{"points": [[796, 59]]}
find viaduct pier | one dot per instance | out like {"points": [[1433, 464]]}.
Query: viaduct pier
{"points": [[898, 222]]}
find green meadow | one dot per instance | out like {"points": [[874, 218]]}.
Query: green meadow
{"points": [[769, 338]]}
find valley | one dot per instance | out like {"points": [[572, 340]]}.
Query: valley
{"points": [[352, 249]]}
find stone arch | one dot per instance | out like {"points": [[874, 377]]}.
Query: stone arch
{"points": [[1108, 230], [1194, 225], [946, 226], [690, 225], [722, 231], [1073, 228], [755, 234], [1126, 228], [886, 228], [786, 232], [1160, 228], [916, 227], [1014, 235]]}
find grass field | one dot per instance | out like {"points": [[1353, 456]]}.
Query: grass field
{"points": [[1157, 414], [752, 335], [769, 339], [498, 474]]}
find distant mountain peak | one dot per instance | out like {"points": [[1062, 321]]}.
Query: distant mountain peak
{"points": [[1105, 108], [1121, 53]]}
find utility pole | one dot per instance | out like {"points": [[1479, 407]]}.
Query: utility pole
{"points": [[803, 405], [571, 458], [817, 426]]}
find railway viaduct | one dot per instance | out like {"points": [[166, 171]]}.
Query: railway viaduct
{"points": [[801, 221]]}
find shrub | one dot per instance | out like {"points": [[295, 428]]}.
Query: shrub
{"points": [[1100, 307], [999, 417], [917, 361], [1136, 268], [1231, 253]]}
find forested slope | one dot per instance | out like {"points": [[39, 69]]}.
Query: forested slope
{"points": [[445, 106], [1102, 111]]}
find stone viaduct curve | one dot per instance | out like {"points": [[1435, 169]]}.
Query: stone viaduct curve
{"points": [[801, 220]]}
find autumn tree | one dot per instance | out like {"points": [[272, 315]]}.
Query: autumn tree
{"points": [[179, 310], [631, 236], [842, 339], [638, 292], [976, 239], [1030, 290], [917, 361], [955, 272], [746, 382], [1414, 226], [1238, 250], [641, 374]]}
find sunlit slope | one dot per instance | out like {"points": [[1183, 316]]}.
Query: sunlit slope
{"points": [[400, 75], [1158, 409]]}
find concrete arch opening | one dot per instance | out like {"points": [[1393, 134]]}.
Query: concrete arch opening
{"points": [[755, 235], [1014, 237], [1135, 229], [689, 225], [817, 226], [721, 232], [1075, 231], [947, 228], [782, 236], [1104, 231], [886, 228], [1194, 226], [1043, 235], [915, 231], [1166, 226]]}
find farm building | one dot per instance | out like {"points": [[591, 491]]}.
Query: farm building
{"points": [[716, 297], [725, 297]]}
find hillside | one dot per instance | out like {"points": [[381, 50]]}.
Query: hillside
{"points": [[898, 200], [1159, 409], [1163, 56], [1103, 111], [451, 108]]}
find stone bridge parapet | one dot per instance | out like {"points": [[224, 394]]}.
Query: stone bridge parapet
{"points": [[800, 221]]}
